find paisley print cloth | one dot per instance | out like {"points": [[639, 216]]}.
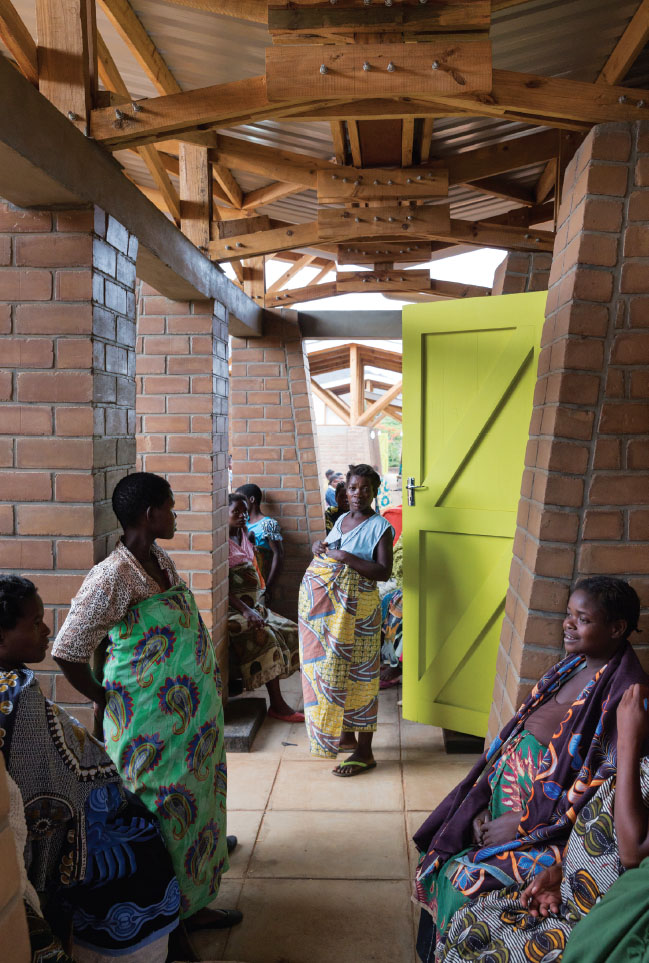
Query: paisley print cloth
{"points": [[94, 854], [163, 728], [261, 653], [496, 927], [340, 640], [580, 757]]}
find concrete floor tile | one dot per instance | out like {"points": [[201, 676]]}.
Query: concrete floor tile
{"points": [[388, 709], [250, 779], [427, 782], [211, 944], [385, 744], [316, 921], [317, 845], [244, 824], [415, 735], [413, 822], [310, 785]]}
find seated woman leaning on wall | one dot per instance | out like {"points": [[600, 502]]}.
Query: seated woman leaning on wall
{"points": [[94, 853], [569, 913], [512, 815], [263, 645]]}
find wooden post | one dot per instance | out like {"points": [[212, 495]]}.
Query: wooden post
{"points": [[356, 383], [254, 278], [195, 194], [67, 56]]}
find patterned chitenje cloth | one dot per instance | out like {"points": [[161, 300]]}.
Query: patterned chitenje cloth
{"points": [[580, 757], [163, 728], [392, 628], [511, 778], [264, 652], [340, 639], [496, 927], [94, 853]]}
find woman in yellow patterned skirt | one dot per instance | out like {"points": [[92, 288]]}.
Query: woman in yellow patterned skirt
{"points": [[340, 628]]}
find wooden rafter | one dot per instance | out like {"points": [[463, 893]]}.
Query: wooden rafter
{"points": [[195, 194], [323, 272], [628, 47], [18, 40], [356, 383], [280, 165], [354, 143], [407, 286], [370, 413], [338, 139], [255, 11], [294, 269], [67, 57], [131, 30], [228, 185], [496, 187], [335, 404], [268, 194], [407, 141], [426, 139]]}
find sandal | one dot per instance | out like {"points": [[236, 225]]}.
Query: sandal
{"points": [[293, 717], [355, 767], [225, 919]]}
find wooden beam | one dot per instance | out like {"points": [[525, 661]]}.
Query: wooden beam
{"points": [[376, 281], [628, 47], [381, 184], [228, 185], [265, 242], [426, 139], [280, 165], [254, 279], [496, 187], [323, 272], [254, 11], [407, 140], [286, 18], [338, 139], [356, 384], [18, 41], [312, 292], [131, 30], [502, 157], [547, 181], [294, 269], [195, 194], [335, 404], [383, 221], [237, 267], [395, 70], [456, 289], [370, 413], [268, 194], [172, 164], [232, 228], [385, 108], [354, 143], [370, 252], [67, 57]]}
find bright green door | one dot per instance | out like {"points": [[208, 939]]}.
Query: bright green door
{"points": [[469, 372]]}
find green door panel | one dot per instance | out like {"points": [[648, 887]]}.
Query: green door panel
{"points": [[469, 370]]}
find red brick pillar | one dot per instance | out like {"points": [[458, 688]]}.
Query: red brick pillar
{"points": [[182, 390], [522, 272], [584, 505], [67, 398], [274, 444]]}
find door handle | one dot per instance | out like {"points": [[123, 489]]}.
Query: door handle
{"points": [[411, 488]]}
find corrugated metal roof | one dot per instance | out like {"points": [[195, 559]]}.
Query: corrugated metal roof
{"points": [[568, 38]]}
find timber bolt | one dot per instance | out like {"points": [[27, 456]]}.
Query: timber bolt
{"points": [[404, 227], [641, 103], [323, 69], [345, 179], [72, 115], [345, 213], [419, 177], [391, 220], [136, 107], [408, 180], [334, 177], [435, 64], [376, 182], [388, 3], [622, 99], [409, 217], [391, 67], [367, 66], [228, 247], [357, 220], [390, 183], [376, 218], [119, 114], [239, 244], [289, 233]]}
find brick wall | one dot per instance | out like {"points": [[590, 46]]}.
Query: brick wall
{"points": [[182, 391], [13, 923], [584, 505], [273, 444], [519, 273], [67, 397]]}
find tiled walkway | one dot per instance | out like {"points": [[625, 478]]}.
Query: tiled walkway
{"points": [[323, 867]]}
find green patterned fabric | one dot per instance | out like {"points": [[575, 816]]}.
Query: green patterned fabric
{"points": [[164, 731]]}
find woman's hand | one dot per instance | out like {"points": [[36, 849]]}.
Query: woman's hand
{"points": [[337, 554], [253, 618], [500, 830], [478, 825], [543, 895], [319, 548], [632, 715]]}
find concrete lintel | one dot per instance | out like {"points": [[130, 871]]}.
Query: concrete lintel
{"points": [[46, 162], [350, 324]]}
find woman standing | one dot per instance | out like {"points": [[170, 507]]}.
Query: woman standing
{"points": [[268, 537], [264, 645], [161, 691], [333, 513], [340, 628]]}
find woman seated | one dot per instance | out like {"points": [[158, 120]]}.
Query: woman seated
{"points": [[267, 539], [340, 628], [333, 512], [94, 853], [512, 815], [392, 623], [263, 645], [568, 912]]}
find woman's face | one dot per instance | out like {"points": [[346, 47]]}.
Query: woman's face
{"points": [[238, 513], [28, 640], [163, 518], [587, 630], [342, 501], [360, 493]]}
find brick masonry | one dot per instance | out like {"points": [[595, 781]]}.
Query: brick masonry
{"points": [[519, 273], [67, 400], [182, 433], [273, 444], [584, 505]]}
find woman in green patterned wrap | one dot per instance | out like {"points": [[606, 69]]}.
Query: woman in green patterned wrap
{"points": [[160, 698]]}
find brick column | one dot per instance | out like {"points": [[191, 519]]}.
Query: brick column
{"points": [[584, 505], [273, 444], [522, 272], [67, 397], [182, 390]]}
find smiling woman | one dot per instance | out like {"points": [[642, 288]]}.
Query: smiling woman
{"points": [[512, 815]]}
